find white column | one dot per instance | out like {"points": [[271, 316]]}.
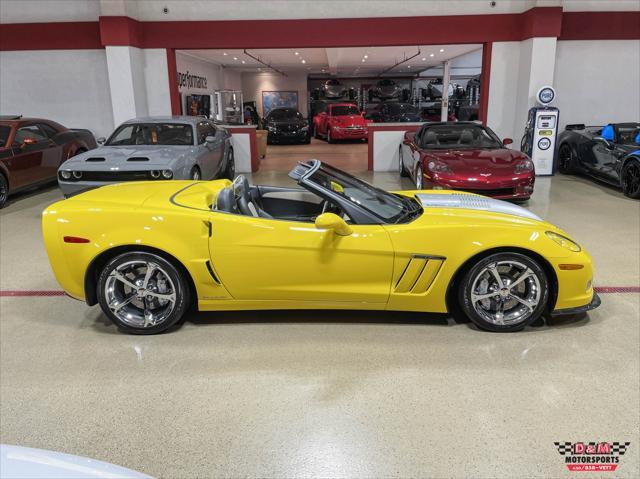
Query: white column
{"points": [[446, 78], [126, 83]]}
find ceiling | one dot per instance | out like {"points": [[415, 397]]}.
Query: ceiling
{"points": [[360, 61]]}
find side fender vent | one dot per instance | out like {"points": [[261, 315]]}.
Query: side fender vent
{"points": [[138, 158], [95, 159], [212, 273], [419, 274]]}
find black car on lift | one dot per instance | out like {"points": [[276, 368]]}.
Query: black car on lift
{"points": [[392, 112], [286, 125], [610, 153]]}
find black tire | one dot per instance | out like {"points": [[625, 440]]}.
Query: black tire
{"points": [[401, 168], [180, 305], [230, 169], [329, 139], [195, 174], [538, 286], [4, 190], [631, 178], [567, 159]]}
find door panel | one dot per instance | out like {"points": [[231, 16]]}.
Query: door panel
{"points": [[605, 160], [264, 259]]}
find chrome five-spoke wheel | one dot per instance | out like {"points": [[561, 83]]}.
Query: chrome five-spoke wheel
{"points": [[142, 292], [504, 292]]}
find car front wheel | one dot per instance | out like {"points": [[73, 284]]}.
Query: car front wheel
{"points": [[401, 168], [504, 292], [142, 293], [419, 178], [566, 160]]}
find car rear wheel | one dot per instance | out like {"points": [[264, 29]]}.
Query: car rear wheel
{"points": [[566, 159], [230, 171], [631, 179], [504, 292], [142, 293], [4, 190], [419, 178], [401, 168]]}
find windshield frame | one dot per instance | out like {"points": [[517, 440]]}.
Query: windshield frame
{"points": [[408, 208], [137, 124]]}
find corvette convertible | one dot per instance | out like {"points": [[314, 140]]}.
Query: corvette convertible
{"points": [[610, 153], [147, 252], [465, 156]]}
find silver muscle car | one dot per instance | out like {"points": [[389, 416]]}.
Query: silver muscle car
{"points": [[154, 148]]}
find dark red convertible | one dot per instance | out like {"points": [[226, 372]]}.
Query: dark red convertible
{"points": [[465, 156], [32, 149]]}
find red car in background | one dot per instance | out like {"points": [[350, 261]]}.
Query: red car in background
{"points": [[340, 121], [32, 149], [465, 156]]}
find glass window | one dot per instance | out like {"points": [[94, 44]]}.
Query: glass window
{"points": [[205, 129], [386, 206], [342, 110], [629, 134], [31, 131], [152, 134], [4, 135], [458, 136], [48, 130]]}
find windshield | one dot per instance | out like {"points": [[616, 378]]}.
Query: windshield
{"points": [[344, 110], [284, 113], [4, 135], [458, 136], [384, 205], [629, 134], [402, 108], [152, 134]]}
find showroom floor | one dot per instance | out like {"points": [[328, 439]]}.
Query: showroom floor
{"points": [[317, 394]]}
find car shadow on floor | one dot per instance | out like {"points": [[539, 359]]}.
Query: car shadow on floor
{"points": [[592, 181]]}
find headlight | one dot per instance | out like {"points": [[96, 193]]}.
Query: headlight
{"points": [[167, 174], [439, 167], [77, 175], [65, 174], [564, 241], [304, 128], [524, 166]]}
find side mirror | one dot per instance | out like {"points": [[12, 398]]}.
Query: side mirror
{"points": [[507, 141], [101, 141], [331, 221], [606, 143]]}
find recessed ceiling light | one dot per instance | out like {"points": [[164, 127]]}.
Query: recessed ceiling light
{"points": [[243, 62], [225, 53], [432, 54], [424, 59], [408, 66], [441, 50], [296, 53], [235, 58], [304, 61], [366, 56]]}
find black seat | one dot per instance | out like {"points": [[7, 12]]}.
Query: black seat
{"points": [[431, 138], [226, 201], [466, 137], [246, 205]]}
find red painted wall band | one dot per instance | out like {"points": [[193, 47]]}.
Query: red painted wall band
{"points": [[50, 36], [485, 77], [600, 26], [174, 93]]}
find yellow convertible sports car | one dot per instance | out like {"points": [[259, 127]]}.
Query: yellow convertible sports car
{"points": [[149, 251]]}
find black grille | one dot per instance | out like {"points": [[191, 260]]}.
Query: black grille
{"points": [[496, 192], [113, 176]]}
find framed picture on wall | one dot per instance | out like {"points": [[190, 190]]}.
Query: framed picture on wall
{"points": [[278, 99]]}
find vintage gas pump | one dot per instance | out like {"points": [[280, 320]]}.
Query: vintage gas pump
{"points": [[539, 140]]}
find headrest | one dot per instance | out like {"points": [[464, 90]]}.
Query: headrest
{"points": [[431, 138], [466, 137], [637, 139], [226, 201], [608, 133]]}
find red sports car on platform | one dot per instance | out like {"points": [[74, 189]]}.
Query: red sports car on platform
{"points": [[340, 121], [465, 156]]}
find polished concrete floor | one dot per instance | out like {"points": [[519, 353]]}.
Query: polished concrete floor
{"points": [[316, 394]]}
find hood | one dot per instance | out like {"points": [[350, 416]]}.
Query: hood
{"points": [[347, 120], [120, 156], [462, 201], [470, 162]]}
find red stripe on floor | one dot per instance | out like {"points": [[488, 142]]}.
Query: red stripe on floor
{"points": [[20, 293]]}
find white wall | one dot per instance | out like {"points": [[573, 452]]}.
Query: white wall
{"points": [[67, 86], [253, 84], [195, 66], [598, 81], [156, 77], [503, 88]]}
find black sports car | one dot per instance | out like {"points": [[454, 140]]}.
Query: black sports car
{"points": [[286, 125], [610, 153], [391, 111]]}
